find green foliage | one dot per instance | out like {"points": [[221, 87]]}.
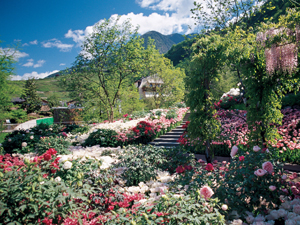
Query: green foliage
{"points": [[209, 57], [17, 116], [6, 69], [32, 100], [24, 199], [53, 100], [171, 114], [58, 143], [180, 105], [130, 100], [171, 209], [102, 137], [291, 100], [113, 55]]}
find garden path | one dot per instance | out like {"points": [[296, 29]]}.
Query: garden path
{"points": [[169, 139]]}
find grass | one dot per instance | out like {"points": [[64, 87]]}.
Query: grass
{"points": [[2, 136], [45, 88]]}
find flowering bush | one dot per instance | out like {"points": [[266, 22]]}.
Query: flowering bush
{"points": [[60, 144], [102, 137]]}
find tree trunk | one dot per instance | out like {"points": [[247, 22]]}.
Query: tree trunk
{"points": [[209, 154]]}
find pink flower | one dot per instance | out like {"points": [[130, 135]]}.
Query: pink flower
{"points": [[268, 166], [260, 172], [234, 150], [242, 158], [224, 207], [206, 192], [256, 148], [180, 169], [209, 167], [64, 134], [296, 209], [284, 177], [272, 188]]}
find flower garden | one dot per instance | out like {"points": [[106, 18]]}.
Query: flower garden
{"points": [[107, 174]]}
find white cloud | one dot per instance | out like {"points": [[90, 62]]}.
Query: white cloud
{"points": [[13, 52], [30, 63], [35, 42], [25, 44], [62, 64], [33, 74], [175, 19], [58, 44], [40, 63]]}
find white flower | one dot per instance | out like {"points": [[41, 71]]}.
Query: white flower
{"points": [[256, 148], [64, 158], [57, 179], [42, 182], [50, 128], [282, 212], [9, 140], [31, 137], [24, 144], [237, 222], [67, 165], [0, 144]]}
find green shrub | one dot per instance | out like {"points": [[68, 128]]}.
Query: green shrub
{"points": [[171, 114], [18, 116], [26, 196], [142, 162], [13, 141], [102, 137], [139, 114], [58, 143], [180, 105], [158, 113], [188, 209]]}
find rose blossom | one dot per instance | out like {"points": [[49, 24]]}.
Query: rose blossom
{"points": [[206, 192], [256, 148], [224, 207], [67, 165], [57, 179], [47, 157], [24, 144], [268, 166], [272, 188], [180, 169], [242, 158], [234, 150], [296, 209], [209, 167], [260, 172]]}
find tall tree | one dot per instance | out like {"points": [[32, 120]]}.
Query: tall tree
{"points": [[32, 100], [6, 69], [110, 57]]}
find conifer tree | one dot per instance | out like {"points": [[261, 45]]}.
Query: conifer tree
{"points": [[32, 100]]}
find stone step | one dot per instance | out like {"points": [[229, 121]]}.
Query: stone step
{"points": [[168, 135], [163, 139], [165, 144]]}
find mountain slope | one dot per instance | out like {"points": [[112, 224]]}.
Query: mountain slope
{"points": [[163, 42]]}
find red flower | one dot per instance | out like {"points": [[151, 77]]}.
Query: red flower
{"points": [[53, 171], [209, 167], [51, 151], [130, 118], [125, 115], [64, 134], [146, 132], [45, 175], [242, 158], [180, 169], [47, 157], [189, 167]]}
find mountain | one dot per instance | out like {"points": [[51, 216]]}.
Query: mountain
{"points": [[163, 42]]}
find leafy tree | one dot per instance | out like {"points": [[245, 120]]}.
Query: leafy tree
{"points": [[169, 81], [111, 56], [220, 14], [53, 100], [32, 100], [208, 59], [6, 69], [130, 100]]}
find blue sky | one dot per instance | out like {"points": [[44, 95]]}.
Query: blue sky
{"points": [[50, 33]]}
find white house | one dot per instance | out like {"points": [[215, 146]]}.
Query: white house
{"points": [[147, 86]]}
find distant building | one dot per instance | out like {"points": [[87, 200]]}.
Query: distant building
{"points": [[147, 86]]}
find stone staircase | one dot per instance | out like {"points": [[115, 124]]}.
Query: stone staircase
{"points": [[169, 139]]}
